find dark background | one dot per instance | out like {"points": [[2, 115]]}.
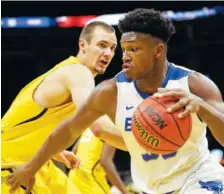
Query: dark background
{"points": [[27, 53]]}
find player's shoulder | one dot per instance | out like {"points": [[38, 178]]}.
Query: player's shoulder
{"points": [[75, 73], [75, 69], [105, 91], [107, 86], [202, 86]]}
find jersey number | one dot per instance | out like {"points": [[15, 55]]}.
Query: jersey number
{"points": [[148, 157]]}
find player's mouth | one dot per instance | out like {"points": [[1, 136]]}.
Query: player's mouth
{"points": [[126, 67], [103, 62]]}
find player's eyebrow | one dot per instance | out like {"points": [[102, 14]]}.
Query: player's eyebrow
{"points": [[106, 42]]}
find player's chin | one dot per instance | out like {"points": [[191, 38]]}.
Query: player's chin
{"points": [[130, 76], [100, 70]]}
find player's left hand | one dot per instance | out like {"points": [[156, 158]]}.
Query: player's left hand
{"points": [[189, 101], [22, 177], [69, 159]]}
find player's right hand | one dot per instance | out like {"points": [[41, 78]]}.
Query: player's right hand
{"points": [[69, 159], [22, 177]]}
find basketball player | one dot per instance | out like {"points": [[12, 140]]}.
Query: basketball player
{"points": [[49, 99], [97, 164], [146, 71]]}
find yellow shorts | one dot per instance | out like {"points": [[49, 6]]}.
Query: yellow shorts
{"points": [[85, 183], [49, 180]]}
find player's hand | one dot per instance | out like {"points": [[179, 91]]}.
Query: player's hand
{"points": [[69, 159], [22, 177], [190, 102]]}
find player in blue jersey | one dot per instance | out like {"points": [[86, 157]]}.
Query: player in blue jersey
{"points": [[146, 71]]}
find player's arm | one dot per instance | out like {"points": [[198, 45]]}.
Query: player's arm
{"points": [[107, 163], [66, 134], [69, 130], [105, 129], [204, 99], [211, 109], [79, 80]]}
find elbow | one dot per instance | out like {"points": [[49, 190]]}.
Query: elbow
{"points": [[95, 128]]}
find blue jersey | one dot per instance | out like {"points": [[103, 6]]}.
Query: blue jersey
{"points": [[159, 173]]}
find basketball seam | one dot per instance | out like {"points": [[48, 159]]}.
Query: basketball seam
{"points": [[178, 127], [157, 132]]}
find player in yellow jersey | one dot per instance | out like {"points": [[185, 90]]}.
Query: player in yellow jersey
{"points": [[48, 100], [145, 33], [96, 163]]}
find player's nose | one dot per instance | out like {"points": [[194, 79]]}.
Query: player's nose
{"points": [[108, 52], [126, 58]]}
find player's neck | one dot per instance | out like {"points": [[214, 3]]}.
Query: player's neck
{"points": [[81, 58], [152, 81]]}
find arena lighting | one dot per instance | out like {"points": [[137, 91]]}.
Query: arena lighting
{"points": [[73, 21], [112, 19], [27, 22]]}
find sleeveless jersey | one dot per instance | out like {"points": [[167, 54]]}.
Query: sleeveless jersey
{"points": [[159, 173], [89, 150], [26, 125]]}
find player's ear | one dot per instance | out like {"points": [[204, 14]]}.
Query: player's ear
{"points": [[159, 50], [82, 45]]}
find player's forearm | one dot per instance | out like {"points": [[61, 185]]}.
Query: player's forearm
{"points": [[114, 140], [61, 138], [214, 119], [113, 176]]}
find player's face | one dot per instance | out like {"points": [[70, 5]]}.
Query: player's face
{"points": [[139, 54], [101, 50]]}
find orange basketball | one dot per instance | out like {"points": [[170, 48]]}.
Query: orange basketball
{"points": [[158, 131]]}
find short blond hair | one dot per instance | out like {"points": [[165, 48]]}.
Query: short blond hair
{"points": [[88, 30]]}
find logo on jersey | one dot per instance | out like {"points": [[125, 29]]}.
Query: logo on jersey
{"points": [[129, 107], [128, 124], [143, 133], [215, 186], [151, 112]]}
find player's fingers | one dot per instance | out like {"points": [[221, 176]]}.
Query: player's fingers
{"points": [[186, 112], [73, 160], [10, 176], [172, 94], [10, 179], [179, 105], [30, 186], [65, 161], [14, 186], [162, 90], [77, 163]]}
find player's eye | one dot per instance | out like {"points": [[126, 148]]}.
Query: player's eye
{"points": [[113, 48], [102, 45], [133, 49]]}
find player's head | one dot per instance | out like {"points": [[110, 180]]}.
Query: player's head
{"points": [[145, 33], [97, 43]]}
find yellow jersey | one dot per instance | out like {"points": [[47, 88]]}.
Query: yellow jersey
{"points": [[90, 177], [26, 125], [89, 150]]}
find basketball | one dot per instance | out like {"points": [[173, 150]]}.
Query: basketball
{"points": [[158, 131]]}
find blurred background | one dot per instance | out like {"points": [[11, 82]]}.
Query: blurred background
{"points": [[37, 35]]}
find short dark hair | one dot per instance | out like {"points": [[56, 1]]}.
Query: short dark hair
{"points": [[88, 30], [148, 21]]}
